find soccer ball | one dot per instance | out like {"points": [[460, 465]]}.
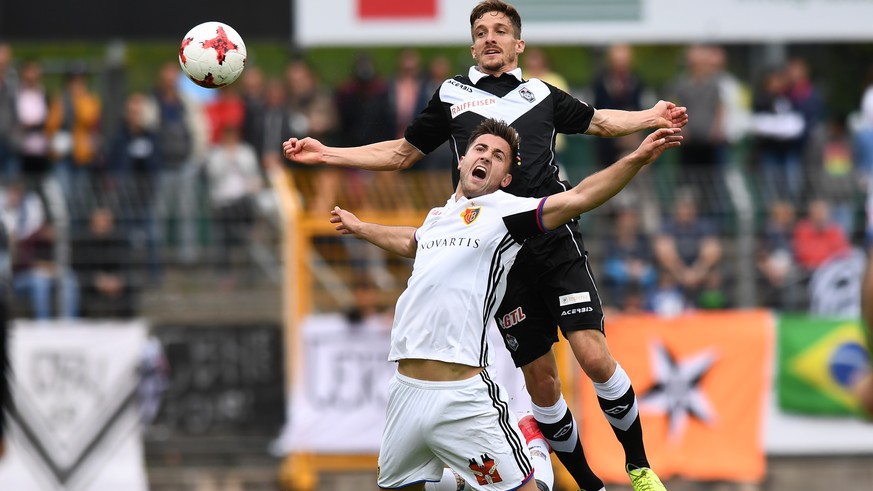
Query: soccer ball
{"points": [[212, 54]]}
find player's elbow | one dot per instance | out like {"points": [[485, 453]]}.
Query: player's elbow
{"points": [[404, 155], [404, 164]]}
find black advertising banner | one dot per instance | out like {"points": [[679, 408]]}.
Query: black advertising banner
{"points": [[223, 380]]}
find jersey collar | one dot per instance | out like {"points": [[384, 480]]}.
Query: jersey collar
{"points": [[475, 75]]}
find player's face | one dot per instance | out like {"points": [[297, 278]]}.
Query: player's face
{"points": [[495, 46], [485, 168]]}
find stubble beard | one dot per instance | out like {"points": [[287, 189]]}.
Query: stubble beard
{"points": [[498, 66]]}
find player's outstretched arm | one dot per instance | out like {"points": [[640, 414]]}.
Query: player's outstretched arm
{"points": [[598, 188], [614, 122], [386, 155], [399, 240]]}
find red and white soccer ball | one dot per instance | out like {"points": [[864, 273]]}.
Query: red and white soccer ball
{"points": [[212, 54]]}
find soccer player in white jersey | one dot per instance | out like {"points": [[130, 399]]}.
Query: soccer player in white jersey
{"points": [[443, 406]]}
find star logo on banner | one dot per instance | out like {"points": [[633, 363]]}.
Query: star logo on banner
{"points": [[676, 392]]}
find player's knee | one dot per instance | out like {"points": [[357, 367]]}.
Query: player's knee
{"points": [[600, 367], [592, 353], [544, 388]]}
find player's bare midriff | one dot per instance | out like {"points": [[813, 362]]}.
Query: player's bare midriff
{"points": [[436, 371]]}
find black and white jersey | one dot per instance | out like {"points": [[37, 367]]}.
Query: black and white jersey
{"points": [[465, 249], [537, 110]]}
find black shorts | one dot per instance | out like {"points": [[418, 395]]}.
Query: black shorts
{"points": [[549, 285]]}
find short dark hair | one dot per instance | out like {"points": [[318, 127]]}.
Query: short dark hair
{"points": [[502, 130], [500, 7]]}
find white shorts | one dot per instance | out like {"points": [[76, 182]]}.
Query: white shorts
{"points": [[466, 425], [505, 373]]}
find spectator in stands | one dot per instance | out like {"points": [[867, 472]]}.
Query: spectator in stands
{"points": [[253, 93], [667, 299], [234, 178], [315, 112], [405, 89], [134, 168], [102, 261], [805, 97], [629, 270], [689, 251], [618, 86], [32, 110], [818, 237], [780, 275], [697, 88], [180, 124], [701, 162], [276, 120], [863, 137], [363, 105], [833, 177], [778, 128], [407, 92], [73, 128], [226, 109], [439, 69], [736, 102], [36, 276], [311, 102], [368, 312], [9, 165]]}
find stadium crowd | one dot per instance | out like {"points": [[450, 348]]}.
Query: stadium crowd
{"points": [[91, 211]]}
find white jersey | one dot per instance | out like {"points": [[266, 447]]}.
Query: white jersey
{"points": [[465, 250]]}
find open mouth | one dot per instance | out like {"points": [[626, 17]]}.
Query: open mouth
{"points": [[492, 51], [480, 172]]}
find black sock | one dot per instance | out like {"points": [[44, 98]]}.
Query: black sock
{"points": [[623, 415], [563, 436]]}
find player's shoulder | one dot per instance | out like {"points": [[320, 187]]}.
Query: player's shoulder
{"points": [[540, 83], [501, 198], [541, 90], [461, 82], [464, 79]]}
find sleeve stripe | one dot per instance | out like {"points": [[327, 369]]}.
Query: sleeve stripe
{"points": [[540, 215]]}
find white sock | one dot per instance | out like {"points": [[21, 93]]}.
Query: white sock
{"points": [[539, 452], [554, 414], [449, 482]]}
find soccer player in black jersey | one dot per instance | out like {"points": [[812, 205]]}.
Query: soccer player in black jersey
{"points": [[551, 283]]}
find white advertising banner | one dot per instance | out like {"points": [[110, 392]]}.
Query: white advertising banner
{"points": [[798, 434], [75, 422], [339, 403], [446, 22]]}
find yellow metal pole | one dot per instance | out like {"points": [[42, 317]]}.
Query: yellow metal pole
{"points": [[297, 472]]}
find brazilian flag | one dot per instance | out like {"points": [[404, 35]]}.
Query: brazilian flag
{"points": [[819, 361]]}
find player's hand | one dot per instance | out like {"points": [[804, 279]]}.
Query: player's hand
{"points": [[305, 151], [348, 223], [669, 115], [657, 143]]}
